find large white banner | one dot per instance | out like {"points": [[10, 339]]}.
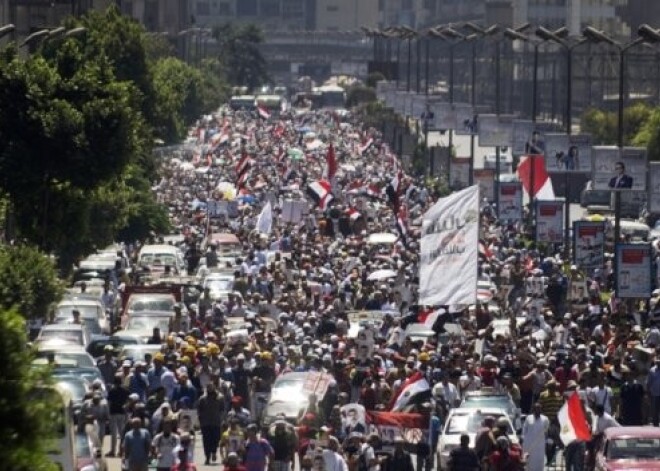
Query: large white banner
{"points": [[550, 221], [633, 263], [449, 250]]}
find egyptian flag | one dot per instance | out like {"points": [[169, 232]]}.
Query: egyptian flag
{"points": [[354, 187], [393, 190], [572, 420], [242, 169], [330, 163], [353, 214], [414, 390], [321, 192], [263, 112], [535, 165], [372, 191], [365, 145]]}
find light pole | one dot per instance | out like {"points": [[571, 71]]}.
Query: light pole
{"points": [[645, 34], [548, 35]]}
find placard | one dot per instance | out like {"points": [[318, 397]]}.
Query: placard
{"points": [[459, 173], [511, 201], [219, 209], [495, 131], [466, 119], [633, 263], [485, 178], [589, 244], [293, 211], [654, 187], [618, 170], [445, 118], [550, 221], [564, 153]]}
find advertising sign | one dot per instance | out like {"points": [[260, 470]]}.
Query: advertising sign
{"points": [[654, 187], [618, 170], [633, 263], [589, 244], [495, 131], [485, 178], [459, 173], [511, 201], [466, 119], [445, 117], [550, 221], [564, 153]]}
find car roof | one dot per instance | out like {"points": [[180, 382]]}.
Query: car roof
{"points": [[62, 327], [632, 432], [482, 411], [76, 301], [69, 348]]}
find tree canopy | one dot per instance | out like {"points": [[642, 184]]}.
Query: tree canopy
{"points": [[240, 55]]}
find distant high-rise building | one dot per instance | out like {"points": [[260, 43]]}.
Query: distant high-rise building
{"points": [[270, 15]]}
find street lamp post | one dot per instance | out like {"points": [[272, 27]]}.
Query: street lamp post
{"points": [[548, 35], [645, 34]]}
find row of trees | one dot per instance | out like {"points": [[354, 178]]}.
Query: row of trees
{"points": [[79, 118]]}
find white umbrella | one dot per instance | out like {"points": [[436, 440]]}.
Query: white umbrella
{"points": [[381, 275]]}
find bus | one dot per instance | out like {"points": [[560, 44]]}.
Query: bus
{"points": [[242, 102], [60, 449], [329, 97]]}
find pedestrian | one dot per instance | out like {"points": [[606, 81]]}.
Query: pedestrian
{"points": [[117, 400], [534, 434], [165, 445], [136, 447], [464, 458], [210, 410], [257, 452]]}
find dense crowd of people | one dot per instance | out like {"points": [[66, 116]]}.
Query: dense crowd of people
{"points": [[299, 275]]}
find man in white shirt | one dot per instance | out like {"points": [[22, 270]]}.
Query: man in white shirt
{"points": [[332, 459], [446, 393], [164, 445], [601, 395], [603, 420]]}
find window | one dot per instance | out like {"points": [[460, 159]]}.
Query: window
{"points": [[224, 9], [246, 8], [332, 8], [203, 8]]}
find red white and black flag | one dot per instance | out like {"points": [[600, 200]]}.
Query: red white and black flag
{"points": [[242, 168], [320, 192], [353, 214], [263, 112], [402, 225], [414, 390]]}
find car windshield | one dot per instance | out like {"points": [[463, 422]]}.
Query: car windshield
{"points": [[151, 303], [469, 423], [137, 354], [73, 336], [219, 284], [158, 259], [148, 323], [478, 402], [86, 312], [634, 448], [83, 360]]}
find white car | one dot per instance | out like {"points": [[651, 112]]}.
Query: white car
{"points": [[90, 311], [470, 421]]}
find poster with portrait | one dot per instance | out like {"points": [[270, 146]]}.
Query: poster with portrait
{"points": [[485, 178], [495, 131], [550, 221], [618, 170], [466, 119], [633, 264], [445, 118], [353, 419], [459, 173], [654, 187], [364, 344], [511, 201], [564, 153], [589, 244]]}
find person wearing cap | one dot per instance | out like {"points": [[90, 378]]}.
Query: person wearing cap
{"points": [[284, 443], [155, 372], [138, 382], [238, 412], [257, 451]]}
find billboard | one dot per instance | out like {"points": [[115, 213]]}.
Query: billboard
{"points": [[654, 187], [618, 170], [589, 244], [466, 119], [495, 131], [511, 201], [485, 178], [633, 265], [459, 173], [522, 133], [564, 153], [550, 221]]}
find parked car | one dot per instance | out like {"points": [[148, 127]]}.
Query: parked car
{"points": [[63, 334], [633, 448]]}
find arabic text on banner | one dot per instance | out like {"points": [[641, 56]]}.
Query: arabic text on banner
{"points": [[449, 250]]}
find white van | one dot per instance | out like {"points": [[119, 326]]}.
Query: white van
{"points": [[157, 256]]}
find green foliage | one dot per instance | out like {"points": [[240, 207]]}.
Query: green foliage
{"points": [[649, 135], [28, 281], [603, 125], [24, 420], [241, 56], [360, 94], [373, 78]]}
